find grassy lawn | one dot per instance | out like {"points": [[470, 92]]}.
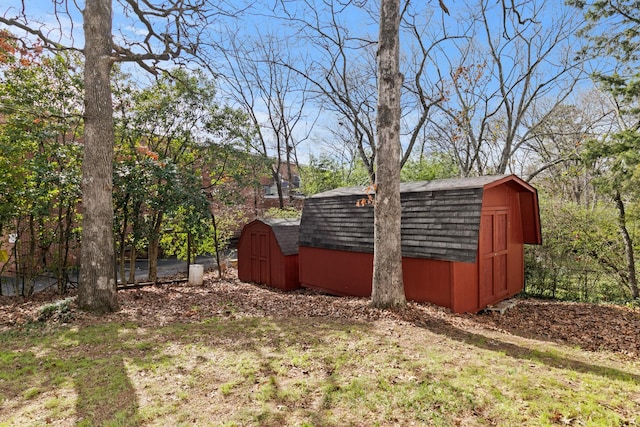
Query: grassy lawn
{"points": [[305, 372]]}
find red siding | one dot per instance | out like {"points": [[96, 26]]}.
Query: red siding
{"points": [[336, 272], [501, 249], [260, 259], [464, 289], [427, 280], [351, 273]]}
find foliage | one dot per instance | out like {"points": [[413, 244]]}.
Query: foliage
{"points": [[40, 158], [175, 144], [612, 28], [621, 43], [582, 257], [175, 239], [326, 173], [288, 212], [421, 168], [58, 310], [615, 153]]}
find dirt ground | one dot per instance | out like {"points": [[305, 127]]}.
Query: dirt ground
{"points": [[589, 326]]}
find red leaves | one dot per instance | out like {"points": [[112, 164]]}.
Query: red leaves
{"points": [[370, 191]]}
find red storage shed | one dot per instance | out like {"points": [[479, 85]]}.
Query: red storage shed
{"points": [[462, 240], [268, 253]]}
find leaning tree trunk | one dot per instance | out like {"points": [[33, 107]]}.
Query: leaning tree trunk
{"points": [[387, 286], [97, 283], [628, 245]]}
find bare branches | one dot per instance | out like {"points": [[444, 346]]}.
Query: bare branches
{"points": [[40, 32], [274, 96], [511, 74], [342, 69], [146, 32]]}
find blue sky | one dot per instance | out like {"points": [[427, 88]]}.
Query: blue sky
{"points": [[66, 27]]}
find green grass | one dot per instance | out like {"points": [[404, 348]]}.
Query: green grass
{"points": [[305, 372]]}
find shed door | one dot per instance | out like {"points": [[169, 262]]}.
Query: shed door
{"points": [[493, 255], [260, 271]]}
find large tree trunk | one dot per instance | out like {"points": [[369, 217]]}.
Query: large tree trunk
{"points": [[387, 286], [97, 283], [628, 245]]}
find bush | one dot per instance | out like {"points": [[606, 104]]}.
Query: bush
{"points": [[57, 311], [581, 258]]}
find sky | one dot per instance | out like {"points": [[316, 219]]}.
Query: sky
{"points": [[299, 18]]}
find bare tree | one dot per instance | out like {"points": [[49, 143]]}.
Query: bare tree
{"points": [[170, 30], [342, 69], [554, 151], [359, 79], [519, 66], [275, 99]]}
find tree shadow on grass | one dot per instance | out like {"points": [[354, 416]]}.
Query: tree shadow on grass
{"points": [[549, 358], [85, 359], [105, 394]]}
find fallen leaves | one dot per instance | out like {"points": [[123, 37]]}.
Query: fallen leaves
{"points": [[589, 326]]}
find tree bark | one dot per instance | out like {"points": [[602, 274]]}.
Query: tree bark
{"points": [[388, 286], [97, 283], [216, 244], [628, 245], [132, 264], [154, 246], [123, 235]]}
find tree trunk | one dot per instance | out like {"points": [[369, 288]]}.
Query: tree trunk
{"points": [[154, 244], [123, 241], [276, 178], [65, 258], [387, 286], [216, 244], [134, 242], [30, 264], [132, 263], [628, 245], [97, 290]]}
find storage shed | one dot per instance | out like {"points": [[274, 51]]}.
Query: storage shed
{"points": [[462, 240], [268, 253]]}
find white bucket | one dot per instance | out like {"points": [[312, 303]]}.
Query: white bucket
{"points": [[196, 272]]}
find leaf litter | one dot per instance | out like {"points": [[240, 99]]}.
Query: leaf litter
{"points": [[593, 327]]}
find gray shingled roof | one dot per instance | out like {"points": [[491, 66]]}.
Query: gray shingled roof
{"points": [[440, 219], [286, 232]]}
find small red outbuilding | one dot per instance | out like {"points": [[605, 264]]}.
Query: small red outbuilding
{"points": [[268, 253], [462, 240]]}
